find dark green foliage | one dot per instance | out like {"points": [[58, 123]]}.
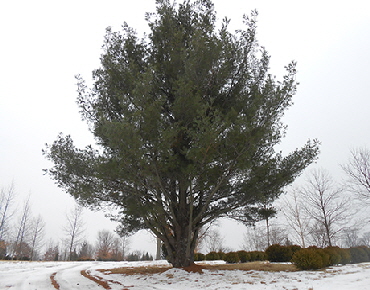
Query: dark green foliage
{"points": [[187, 120], [244, 256], [315, 258], [133, 257], [367, 250], [212, 256], [294, 248], [257, 256], [146, 257], [308, 259], [232, 258], [358, 255], [334, 253], [221, 255], [279, 253], [345, 256], [199, 257]]}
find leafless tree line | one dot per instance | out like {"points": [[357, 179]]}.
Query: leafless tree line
{"points": [[322, 212], [22, 235]]}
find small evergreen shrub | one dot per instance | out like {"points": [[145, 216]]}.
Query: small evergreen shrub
{"points": [[358, 255], [367, 250], [221, 255], [325, 257], [345, 256], [278, 253], [212, 256], [199, 257], [294, 248], [231, 258], [334, 255], [257, 256], [308, 259], [244, 256]]}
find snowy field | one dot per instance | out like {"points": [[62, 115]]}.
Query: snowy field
{"points": [[68, 275]]}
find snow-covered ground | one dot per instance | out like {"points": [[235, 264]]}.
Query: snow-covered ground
{"points": [[37, 275]]}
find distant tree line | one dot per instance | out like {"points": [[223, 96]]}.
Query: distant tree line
{"points": [[319, 212], [22, 236]]}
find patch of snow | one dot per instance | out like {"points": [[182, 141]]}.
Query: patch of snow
{"points": [[36, 275]]}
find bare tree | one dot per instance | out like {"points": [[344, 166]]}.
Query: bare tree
{"points": [[7, 196], [119, 248], [37, 232], [254, 239], [125, 245], [365, 240], [351, 237], [325, 205], [74, 229], [22, 229], [358, 171], [86, 251], [214, 240], [52, 252], [292, 208], [104, 245]]}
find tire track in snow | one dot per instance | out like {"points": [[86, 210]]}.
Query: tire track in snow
{"points": [[71, 278]]}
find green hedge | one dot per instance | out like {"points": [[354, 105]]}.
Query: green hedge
{"points": [[279, 253], [311, 258], [315, 258], [232, 258], [244, 256]]}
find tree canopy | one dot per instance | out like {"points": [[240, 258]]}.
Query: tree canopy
{"points": [[186, 120]]}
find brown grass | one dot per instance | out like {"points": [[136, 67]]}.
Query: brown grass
{"points": [[198, 268], [256, 266], [136, 270], [53, 281]]}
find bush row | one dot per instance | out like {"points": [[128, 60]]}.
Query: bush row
{"points": [[305, 259], [232, 257], [316, 258]]}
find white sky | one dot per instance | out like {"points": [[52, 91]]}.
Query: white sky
{"points": [[44, 44]]}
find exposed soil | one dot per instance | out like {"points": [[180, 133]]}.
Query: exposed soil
{"points": [[96, 279], [195, 268], [54, 282], [136, 270]]}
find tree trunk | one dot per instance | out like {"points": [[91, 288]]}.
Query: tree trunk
{"points": [[181, 256], [180, 247]]}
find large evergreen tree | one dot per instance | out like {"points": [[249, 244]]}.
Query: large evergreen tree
{"points": [[186, 120]]}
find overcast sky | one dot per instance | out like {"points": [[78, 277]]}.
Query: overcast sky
{"points": [[44, 44]]}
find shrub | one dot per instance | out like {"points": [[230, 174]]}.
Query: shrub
{"points": [[278, 253], [294, 248], [244, 256], [358, 255], [232, 258], [367, 250], [310, 259], [257, 256], [199, 257], [345, 256], [221, 255], [325, 257], [212, 256], [334, 255]]}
